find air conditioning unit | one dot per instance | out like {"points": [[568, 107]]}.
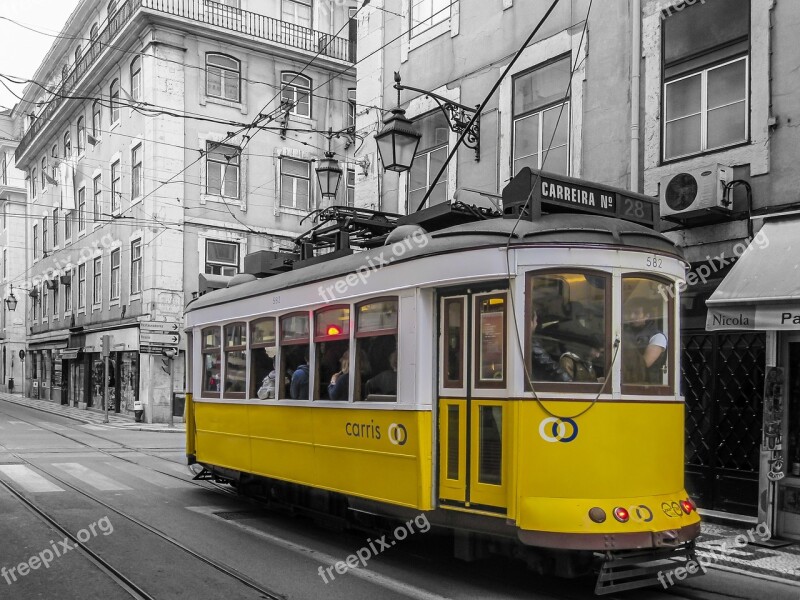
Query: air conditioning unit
{"points": [[696, 193]]}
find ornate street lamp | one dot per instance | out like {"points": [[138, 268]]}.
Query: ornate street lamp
{"points": [[329, 173], [11, 301]]}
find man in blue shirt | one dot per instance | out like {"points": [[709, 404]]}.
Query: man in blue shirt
{"points": [[298, 388]]}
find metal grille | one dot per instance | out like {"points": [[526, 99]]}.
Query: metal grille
{"points": [[723, 382]]}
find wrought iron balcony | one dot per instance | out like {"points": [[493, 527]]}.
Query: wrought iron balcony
{"points": [[202, 11]]}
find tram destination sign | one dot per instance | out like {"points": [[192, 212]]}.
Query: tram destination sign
{"points": [[551, 193]]}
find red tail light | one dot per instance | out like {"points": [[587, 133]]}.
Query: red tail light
{"points": [[621, 515], [687, 506]]}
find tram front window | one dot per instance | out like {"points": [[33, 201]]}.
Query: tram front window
{"points": [[567, 327], [645, 333]]}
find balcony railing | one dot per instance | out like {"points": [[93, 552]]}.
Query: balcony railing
{"points": [[203, 11]]}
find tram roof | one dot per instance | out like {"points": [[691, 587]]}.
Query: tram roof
{"points": [[548, 230]]}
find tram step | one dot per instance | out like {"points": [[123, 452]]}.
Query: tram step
{"points": [[623, 571]]}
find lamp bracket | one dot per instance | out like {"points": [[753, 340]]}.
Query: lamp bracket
{"points": [[458, 115]]}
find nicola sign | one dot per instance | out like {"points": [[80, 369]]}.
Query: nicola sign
{"points": [[759, 318]]}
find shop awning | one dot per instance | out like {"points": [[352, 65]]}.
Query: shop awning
{"points": [[762, 290]]}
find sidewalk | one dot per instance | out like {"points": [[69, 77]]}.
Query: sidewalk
{"points": [[724, 546], [92, 417]]}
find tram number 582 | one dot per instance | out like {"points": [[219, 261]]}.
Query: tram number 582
{"points": [[654, 262]]}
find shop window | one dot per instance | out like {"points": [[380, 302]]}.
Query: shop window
{"points": [[567, 336], [376, 350], [541, 118], [212, 362], [129, 380], [223, 77], [222, 258], [431, 155], [222, 170], [332, 343], [490, 328], [647, 337], [295, 342], [706, 77], [235, 360], [263, 348]]}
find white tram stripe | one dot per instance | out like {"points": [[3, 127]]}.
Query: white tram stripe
{"points": [[29, 479], [367, 574], [93, 478]]}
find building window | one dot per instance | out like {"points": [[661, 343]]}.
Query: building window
{"points": [[5, 263], [114, 101], [82, 209], [137, 174], [706, 78], [45, 300], [67, 144], [93, 32], [350, 187], [427, 13], [296, 94], [541, 118], [77, 55], [55, 297], [223, 77], [44, 173], [431, 155], [222, 170], [67, 225], [136, 267], [82, 286], [55, 227], [35, 307], [54, 156], [351, 107], [81, 135], [3, 169], [97, 283], [222, 258], [112, 8], [68, 294], [33, 183], [98, 199], [295, 183], [44, 236], [296, 12], [115, 187], [4, 216], [96, 123], [115, 255], [136, 79]]}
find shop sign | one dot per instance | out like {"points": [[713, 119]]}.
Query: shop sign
{"points": [[756, 318]]}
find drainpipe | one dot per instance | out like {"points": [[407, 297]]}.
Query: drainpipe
{"points": [[636, 77]]}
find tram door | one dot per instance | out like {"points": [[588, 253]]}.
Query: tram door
{"points": [[473, 418]]}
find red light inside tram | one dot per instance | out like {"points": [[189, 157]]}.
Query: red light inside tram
{"points": [[687, 507], [334, 330], [621, 515]]}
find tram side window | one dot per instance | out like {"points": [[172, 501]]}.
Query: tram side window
{"points": [[645, 351], [262, 359], [212, 361], [376, 350], [490, 325], [235, 360], [295, 342], [332, 344], [567, 316]]}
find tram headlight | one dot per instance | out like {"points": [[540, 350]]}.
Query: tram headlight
{"points": [[621, 515], [687, 506], [597, 514]]}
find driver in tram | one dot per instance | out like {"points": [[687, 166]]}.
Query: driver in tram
{"points": [[544, 367]]}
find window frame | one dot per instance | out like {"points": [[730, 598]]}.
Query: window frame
{"points": [[97, 120], [45, 233], [231, 349], [113, 101], [82, 286], [81, 209], [136, 266], [206, 263], [116, 182], [570, 386], [97, 197], [211, 350], [296, 91], [222, 71], [254, 384], [81, 139], [137, 172], [422, 28], [115, 271], [44, 173], [97, 281], [136, 79], [633, 389], [68, 293], [477, 382], [355, 350], [55, 227], [703, 73], [294, 185], [223, 166], [444, 382]]}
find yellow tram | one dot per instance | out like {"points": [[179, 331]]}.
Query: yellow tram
{"points": [[495, 375]]}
